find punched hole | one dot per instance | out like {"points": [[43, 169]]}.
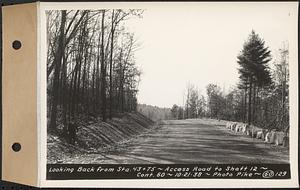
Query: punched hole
{"points": [[16, 44], [16, 147]]}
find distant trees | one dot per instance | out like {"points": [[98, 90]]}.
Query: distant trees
{"points": [[155, 113], [259, 98], [215, 100], [91, 68], [193, 102], [175, 111], [194, 105]]}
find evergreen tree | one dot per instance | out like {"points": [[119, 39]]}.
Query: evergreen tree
{"points": [[253, 69]]}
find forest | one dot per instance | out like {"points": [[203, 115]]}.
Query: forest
{"points": [[163, 85], [155, 113], [260, 98], [92, 72], [91, 68]]}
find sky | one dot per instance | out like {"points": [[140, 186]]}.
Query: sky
{"points": [[199, 43]]}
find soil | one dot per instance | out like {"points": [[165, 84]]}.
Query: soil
{"points": [[173, 141]]}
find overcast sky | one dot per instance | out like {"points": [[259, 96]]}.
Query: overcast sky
{"points": [[199, 44]]}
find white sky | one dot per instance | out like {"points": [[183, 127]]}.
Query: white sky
{"points": [[199, 44]]}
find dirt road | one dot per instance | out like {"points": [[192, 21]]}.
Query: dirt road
{"points": [[189, 141]]}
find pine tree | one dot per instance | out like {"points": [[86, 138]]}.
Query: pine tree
{"points": [[253, 69]]}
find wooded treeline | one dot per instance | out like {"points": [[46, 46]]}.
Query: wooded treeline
{"points": [[260, 98], [91, 67], [154, 113]]}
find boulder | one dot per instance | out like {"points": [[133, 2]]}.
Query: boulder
{"points": [[228, 124], [240, 127], [249, 132], [264, 134], [285, 141], [254, 131], [273, 137], [268, 136], [232, 127], [279, 138], [245, 128], [259, 134], [237, 128]]}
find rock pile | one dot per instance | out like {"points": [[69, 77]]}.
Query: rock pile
{"points": [[272, 136]]}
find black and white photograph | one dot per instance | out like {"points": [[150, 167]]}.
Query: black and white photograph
{"points": [[170, 84]]}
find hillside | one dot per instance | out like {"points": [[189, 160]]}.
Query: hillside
{"points": [[96, 136]]}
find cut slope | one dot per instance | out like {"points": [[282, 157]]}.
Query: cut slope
{"points": [[97, 136]]}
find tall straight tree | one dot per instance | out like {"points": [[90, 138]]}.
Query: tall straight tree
{"points": [[57, 69], [111, 63], [253, 67], [103, 70], [117, 16], [82, 46]]}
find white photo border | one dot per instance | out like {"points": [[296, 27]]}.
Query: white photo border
{"points": [[163, 183]]}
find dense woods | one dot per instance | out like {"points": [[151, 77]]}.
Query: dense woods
{"points": [[91, 69], [260, 97], [91, 72]]}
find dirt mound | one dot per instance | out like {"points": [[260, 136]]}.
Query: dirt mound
{"points": [[96, 136]]}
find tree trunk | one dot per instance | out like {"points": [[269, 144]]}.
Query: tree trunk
{"points": [[57, 70], [103, 71], [64, 91], [283, 98], [111, 65], [254, 103], [97, 77], [122, 89], [250, 101], [245, 104]]}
